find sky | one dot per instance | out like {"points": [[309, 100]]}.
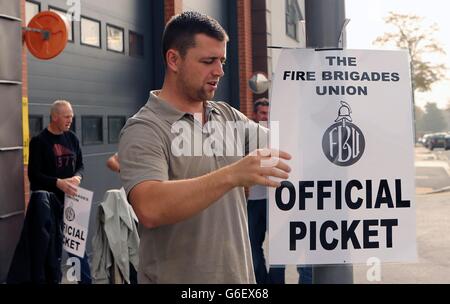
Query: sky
{"points": [[366, 24]]}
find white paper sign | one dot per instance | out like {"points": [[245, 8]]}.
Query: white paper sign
{"points": [[346, 118], [76, 221]]}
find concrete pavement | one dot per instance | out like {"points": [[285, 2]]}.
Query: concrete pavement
{"points": [[432, 170], [433, 244]]}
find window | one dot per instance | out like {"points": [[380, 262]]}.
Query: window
{"points": [[92, 130], [114, 39], [90, 32], [115, 125], [293, 15], [36, 125], [63, 15], [31, 9], [136, 44]]}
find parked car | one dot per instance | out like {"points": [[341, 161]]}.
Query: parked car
{"points": [[436, 140], [423, 140], [447, 142]]}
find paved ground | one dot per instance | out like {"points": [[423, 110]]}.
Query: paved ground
{"points": [[432, 170], [433, 242]]}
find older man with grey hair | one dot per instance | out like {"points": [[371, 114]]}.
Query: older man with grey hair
{"points": [[56, 162]]}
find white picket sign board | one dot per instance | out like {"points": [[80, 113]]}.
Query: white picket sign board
{"points": [[77, 209], [346, 118]]}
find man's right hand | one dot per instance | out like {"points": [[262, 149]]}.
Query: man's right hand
{"points": [[66, 185], [258, 166]]}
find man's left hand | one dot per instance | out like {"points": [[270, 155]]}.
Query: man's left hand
{"points": [[76, 180]]}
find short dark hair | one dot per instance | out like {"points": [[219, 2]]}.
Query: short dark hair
{"points": [[181, 29], [260, 102]]}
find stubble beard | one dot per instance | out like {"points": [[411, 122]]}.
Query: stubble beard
{"points": [[205, 95], [199, 94]]}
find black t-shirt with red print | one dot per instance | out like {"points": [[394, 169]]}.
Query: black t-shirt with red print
{"points": [[52, 157]]}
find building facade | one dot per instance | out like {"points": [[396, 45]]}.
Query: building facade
{"points": [[275, 24], [110, 64]]}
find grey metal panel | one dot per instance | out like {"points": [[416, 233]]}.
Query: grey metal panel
{"points": [[10, 116], [99, 82], [89, 76], [90, 79], [11, 181], [11, 50], [9, 236], [96, 173], [214, 8], [11, 169], [325, 21], [10, 8]]}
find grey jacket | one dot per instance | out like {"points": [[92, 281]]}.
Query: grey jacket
{"points": [[116, 240]]}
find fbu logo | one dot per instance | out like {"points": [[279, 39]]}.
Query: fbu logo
{"points": [[69, 213], [343, 143]]}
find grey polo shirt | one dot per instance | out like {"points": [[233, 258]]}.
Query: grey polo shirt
{"points": [[161, 143]]}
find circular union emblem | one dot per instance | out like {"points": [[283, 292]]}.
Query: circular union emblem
{"points": [[69, 213], [343, 142]]}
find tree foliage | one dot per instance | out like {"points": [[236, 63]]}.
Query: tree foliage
{"points": [[433, 120], [419, 113], [412, 34]]}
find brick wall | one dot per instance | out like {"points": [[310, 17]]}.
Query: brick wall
{"points": [[259, 40], [171, 8], [244, 12]]}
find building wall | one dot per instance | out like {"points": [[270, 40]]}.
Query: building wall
{"points": [[277, 31], [25, 95], [96, 81], [172, 8], [102, 83], [99, 82], [244, 22], [260, 35], [217, 9], [11, 160], [269, 34]]}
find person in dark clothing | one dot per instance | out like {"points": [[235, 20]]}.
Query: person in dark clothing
{"points": [[56, 162], [37, 258]]}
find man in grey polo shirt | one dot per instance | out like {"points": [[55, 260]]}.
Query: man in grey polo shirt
{"points": [[191, 204]]}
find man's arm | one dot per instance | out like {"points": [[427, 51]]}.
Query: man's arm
{"points": [[79, 166], [35, 163], [68, 185], [113, 163], [160, 203], [37, 177]]}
